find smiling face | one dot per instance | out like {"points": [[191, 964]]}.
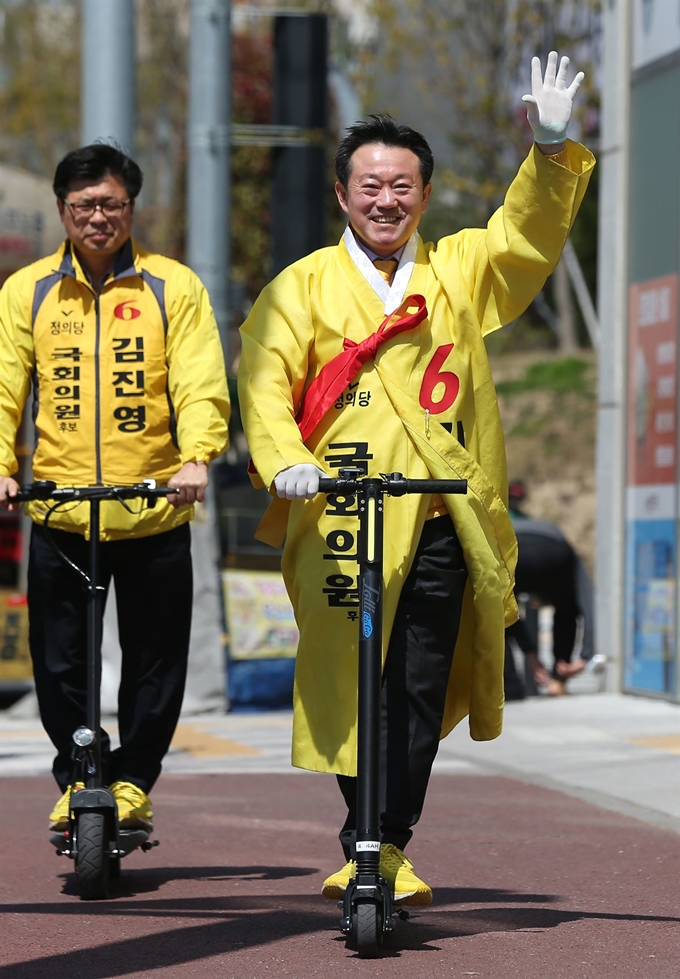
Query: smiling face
{"points": [[384, 198]]}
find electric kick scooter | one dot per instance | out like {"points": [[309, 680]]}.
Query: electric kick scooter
{"points": [[367, 905], [93, 839]]}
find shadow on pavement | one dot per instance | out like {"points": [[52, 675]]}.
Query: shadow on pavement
{"points": [[486, 895], [141, 880], [244, 922], [436, 925]]}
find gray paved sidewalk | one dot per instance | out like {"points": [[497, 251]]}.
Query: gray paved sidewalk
{"points": [[617, 751]]}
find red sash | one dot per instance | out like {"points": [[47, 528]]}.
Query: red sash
{"points": [[334, 377]]}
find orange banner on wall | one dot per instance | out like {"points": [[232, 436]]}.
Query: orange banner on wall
{"points": [[652, 382]]}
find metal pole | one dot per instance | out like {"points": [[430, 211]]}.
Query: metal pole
{"points": [[208, 144], [108, 72], [580, 287], [612, 316]]}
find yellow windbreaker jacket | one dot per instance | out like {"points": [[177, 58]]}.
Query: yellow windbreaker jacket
{"points": [[425, 406], [127, 385]]}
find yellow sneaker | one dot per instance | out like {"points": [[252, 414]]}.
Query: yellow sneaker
{"points": [[60, 814], [336, 885], [398, 871], [134, 806]]}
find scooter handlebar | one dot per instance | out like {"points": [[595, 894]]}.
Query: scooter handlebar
{"points": [[394, 484], [48, 490]]}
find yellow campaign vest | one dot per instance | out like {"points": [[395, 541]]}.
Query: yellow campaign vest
{"points": [[127, 385], [425, 407]]}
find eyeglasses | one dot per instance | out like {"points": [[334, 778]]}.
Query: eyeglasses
{"points": [[110, 208]]}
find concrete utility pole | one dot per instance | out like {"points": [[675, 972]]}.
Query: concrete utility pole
{"points": [[108, 72], [612, 314], [208, 234], [209, 140]]}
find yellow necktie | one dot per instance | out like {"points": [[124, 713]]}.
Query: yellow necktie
{"points": [[386, 267]]}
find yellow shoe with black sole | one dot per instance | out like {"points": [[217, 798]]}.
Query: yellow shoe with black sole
{"points": [[134, 806], [59, 816], [397, 869], [335, 886], [405, 886]]}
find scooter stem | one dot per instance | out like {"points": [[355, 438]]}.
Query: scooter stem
{"points": [[93, 780], [370, 506]]}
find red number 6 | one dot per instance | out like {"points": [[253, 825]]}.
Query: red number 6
{"points": [[433, 377]]}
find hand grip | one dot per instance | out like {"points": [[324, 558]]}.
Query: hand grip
{"points": [[48, 490], [394, 485]]}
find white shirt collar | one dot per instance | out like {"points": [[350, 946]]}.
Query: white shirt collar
{"points": [[391, 294]]}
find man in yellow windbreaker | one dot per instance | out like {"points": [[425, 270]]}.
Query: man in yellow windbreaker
{"points": [[423, 403], [124, 357]]}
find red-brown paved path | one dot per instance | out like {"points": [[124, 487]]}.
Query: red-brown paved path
{"points": [[528, 882]]}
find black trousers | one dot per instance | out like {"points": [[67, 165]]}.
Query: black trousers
{"points": [[415, 678], [154, 593], [547, 569]]}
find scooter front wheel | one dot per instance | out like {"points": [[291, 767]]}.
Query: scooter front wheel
{"points": [[92, 858], [368, 930]]}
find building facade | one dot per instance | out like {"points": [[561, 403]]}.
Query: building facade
{"points": [[638, 434]]}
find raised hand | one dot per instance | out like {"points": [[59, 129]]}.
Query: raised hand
{"points": [[550, 103]]}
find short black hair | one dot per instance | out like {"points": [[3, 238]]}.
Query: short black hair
{"points": [[94, 162], [382, 128]]}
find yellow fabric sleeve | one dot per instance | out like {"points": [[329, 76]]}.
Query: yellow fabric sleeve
{"points": [[275, 342], [506, 264], [196, 373], [17, 360]]}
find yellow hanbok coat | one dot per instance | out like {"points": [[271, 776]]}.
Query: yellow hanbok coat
{"points": [[426, 407]]}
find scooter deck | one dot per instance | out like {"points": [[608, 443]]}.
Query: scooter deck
{"points": [[128, 840]]}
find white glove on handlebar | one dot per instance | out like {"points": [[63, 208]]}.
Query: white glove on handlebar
{"points": [[299, 482], [550, 103]]}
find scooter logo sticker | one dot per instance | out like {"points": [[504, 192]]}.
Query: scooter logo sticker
{"points": [[369, 601]]}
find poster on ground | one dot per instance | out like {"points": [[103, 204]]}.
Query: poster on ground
{"points": [[15, 658], [260, 620]]}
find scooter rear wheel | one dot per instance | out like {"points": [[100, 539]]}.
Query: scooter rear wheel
{"points": [[92, 859], [368, 932]]}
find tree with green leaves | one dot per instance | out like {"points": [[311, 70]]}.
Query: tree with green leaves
{"points": [[40, 106], [457, 70], [39, 83]]}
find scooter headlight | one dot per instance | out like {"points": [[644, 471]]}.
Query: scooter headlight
{"points": [[83, 737]]}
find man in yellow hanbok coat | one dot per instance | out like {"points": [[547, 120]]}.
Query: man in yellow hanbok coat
{"points": [[423, 404]]}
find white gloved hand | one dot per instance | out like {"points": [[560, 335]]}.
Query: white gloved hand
{"points": [[299, 482], [550, 103]]}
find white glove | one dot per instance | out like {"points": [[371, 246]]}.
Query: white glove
{"points": [[299, 482], [550, 103]]}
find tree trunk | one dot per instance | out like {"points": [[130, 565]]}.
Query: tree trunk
{"points": [[564, 307]]}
